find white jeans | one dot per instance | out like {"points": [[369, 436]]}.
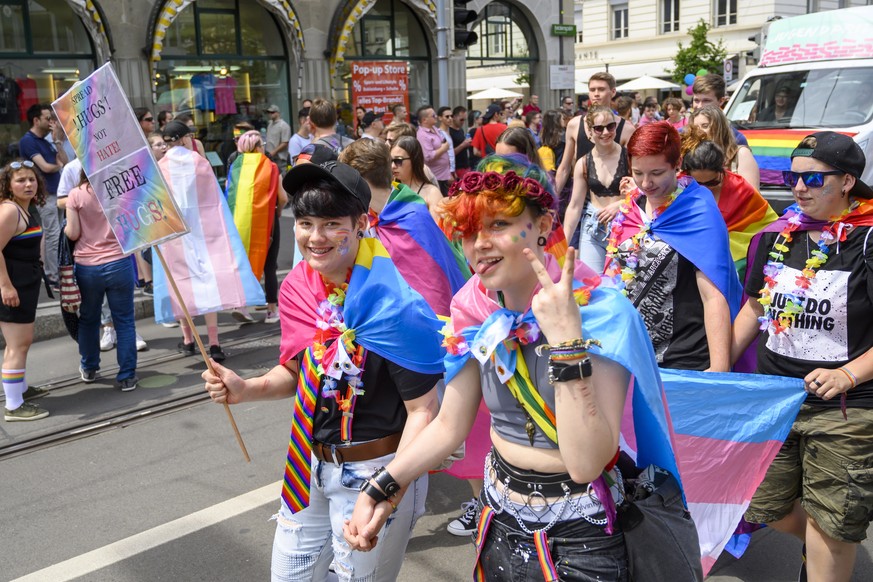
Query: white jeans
{"points": [[308, 541]]}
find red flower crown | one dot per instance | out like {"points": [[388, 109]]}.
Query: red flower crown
{"points": [[509, 183]]}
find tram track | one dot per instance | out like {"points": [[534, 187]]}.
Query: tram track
{"points": [[122, 418]]}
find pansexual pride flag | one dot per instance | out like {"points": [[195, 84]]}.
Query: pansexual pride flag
{"points": [[252, 186], [727, 429], [422, 253]]}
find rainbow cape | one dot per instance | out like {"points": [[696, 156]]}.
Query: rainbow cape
{"points": [[693, 226], [745, 212], [251, 190], [388, 317], [209, 264], [428, 262]]}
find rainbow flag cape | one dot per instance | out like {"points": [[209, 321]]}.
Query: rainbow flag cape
{"points": [[745, 212], [693, 226], [421, 252], [388, 316], [209, 265], [251, 190]]}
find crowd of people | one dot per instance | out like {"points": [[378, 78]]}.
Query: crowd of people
{"points": [[439, 318]]}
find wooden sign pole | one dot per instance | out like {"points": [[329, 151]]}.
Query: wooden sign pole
{"points": [[203, 353]]}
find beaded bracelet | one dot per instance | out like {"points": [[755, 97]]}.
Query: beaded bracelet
{"points": [[849, 375], [567, 355], [572, 345]]}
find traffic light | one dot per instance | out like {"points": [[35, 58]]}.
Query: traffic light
{"points": [[755, 53], [462, 18]]}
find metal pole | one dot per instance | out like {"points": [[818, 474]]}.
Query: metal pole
{"points": [[442, 54], [560, 38]]}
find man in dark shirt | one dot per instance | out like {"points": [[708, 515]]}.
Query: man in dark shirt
{"points": [[34, 147], [461, 141]]}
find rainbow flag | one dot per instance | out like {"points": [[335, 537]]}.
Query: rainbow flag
{"points": [[745, 212], [251, 191], [422, 253], [772, 150]]}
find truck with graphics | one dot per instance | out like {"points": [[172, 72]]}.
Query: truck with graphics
{"points": [[815, 73]]}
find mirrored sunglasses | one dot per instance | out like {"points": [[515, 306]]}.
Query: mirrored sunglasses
{"points": [[810, 179]]}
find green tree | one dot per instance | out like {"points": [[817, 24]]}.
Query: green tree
{"points": [[701, 53]]}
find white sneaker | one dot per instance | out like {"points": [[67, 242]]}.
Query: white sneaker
{"points": [[171, 324], [141, 344], [272, 317], [107, 342], [466, 523], [242, 315]]}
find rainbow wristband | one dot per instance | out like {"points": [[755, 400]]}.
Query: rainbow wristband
{"points": [[565, 356], [849, 375]]}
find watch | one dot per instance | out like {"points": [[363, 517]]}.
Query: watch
{"points": [[566, 372]]}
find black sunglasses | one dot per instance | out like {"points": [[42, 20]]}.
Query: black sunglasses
{"points": [[148, 118], [712, 183], [399, 161], [811, 179], [608, 127]]}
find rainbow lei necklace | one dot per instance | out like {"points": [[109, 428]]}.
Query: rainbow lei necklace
{"points": [[622, 275], [795, 300]]}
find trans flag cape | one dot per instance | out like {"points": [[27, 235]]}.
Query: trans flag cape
{"points": [[252, 187], [478, 320], [209, 265], [386, 315], [745, 212], [720, 430], [691, 224], [419, 249]]}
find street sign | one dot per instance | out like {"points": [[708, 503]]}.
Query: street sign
{"points": [[729, 69], [564, 30]]}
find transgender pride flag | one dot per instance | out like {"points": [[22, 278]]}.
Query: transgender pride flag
{"points": [[727, 430]]}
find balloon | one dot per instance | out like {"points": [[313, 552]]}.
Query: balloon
{"points": [[689, 90], [702, 72], [689, 79]]}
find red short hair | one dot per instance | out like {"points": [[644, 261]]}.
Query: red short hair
{"points": [[655, 139]]}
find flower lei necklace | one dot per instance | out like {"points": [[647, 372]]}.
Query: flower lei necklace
{"points": [[794, 304], [351, 368], [622, 275]]}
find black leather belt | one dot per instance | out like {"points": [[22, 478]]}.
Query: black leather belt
{"points": [[527, 482]]}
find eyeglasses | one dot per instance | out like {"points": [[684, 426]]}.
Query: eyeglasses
{"points": [[18, 165], [810, 179], [398, 161], [162, 145], [608, 127]]}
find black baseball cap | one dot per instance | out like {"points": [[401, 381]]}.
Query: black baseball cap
{"points": [[344, 177], [492, 110], [840, 152], [175, 130], [369, 118]]}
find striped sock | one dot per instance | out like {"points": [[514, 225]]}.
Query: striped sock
{"points": [[13, 388]]}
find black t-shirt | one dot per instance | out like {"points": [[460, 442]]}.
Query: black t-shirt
{"points": [[379, 411], [462, 159], [665, 293], [837, 324]]}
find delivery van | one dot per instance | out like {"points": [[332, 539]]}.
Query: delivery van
{"points": [[815, 73]]}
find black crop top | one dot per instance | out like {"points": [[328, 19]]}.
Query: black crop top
{"points": [[596, 187]]}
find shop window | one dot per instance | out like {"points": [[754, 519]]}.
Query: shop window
{"points": [[224, 61], [44, 50]]}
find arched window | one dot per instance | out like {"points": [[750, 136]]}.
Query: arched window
{"points": [[389, 31], [504, 38], [223, 61]]}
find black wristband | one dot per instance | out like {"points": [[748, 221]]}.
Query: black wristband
{"points": [[373, 492], [384, 480], [566, 372]]}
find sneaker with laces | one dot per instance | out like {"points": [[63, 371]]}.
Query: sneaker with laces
{"points": [[88, 376], [107, 342], [242, 315], [272, 317], [32, 393], [128, 384], [187, 349], [148, 289], [24, 413], [217, 354], [141, 344], [466, 523]]}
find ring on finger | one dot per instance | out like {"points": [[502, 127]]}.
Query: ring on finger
{"points": [[817, 383]]}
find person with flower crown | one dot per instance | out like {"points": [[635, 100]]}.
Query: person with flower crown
{"points": [[551, 351], [360, 355], [810, 282], [668, 252]]}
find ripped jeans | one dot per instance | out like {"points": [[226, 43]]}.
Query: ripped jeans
{"points": [[308, 541]]}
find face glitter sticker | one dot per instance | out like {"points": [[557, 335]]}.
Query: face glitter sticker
{"points": [[343, 246]]}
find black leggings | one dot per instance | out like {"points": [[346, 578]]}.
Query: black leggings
{"points": [[271, 265]]}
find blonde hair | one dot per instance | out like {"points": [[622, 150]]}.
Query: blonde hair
{"points": [[719, 131]]}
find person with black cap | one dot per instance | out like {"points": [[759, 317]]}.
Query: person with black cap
{"points": [[371, 125], [810, 282], [486, 136], [360, 354]]}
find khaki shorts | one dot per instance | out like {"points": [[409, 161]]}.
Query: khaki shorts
{"points": [[827, 463]]}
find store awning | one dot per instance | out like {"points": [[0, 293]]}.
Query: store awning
{"points": [[499, 82], [623, 72]]}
